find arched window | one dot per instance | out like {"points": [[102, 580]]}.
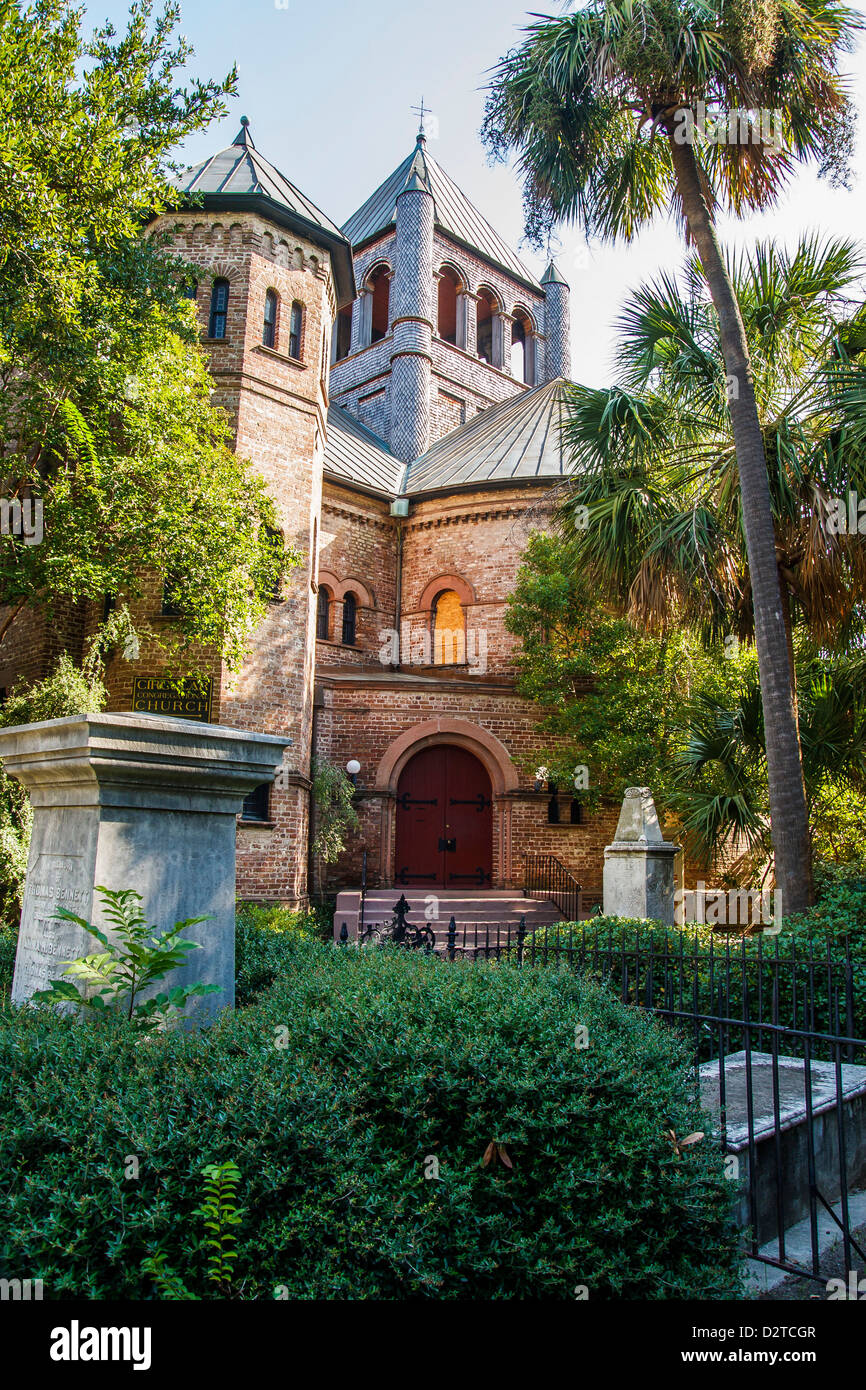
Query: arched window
{"points": [[379, 284], [296, 330], [449, 630], [275, 544], [350, 619], [487, 307], [219, 308], [341, 341], [257, 803], [269, 328], [323, 614], [449, 284], [170, 606], [522, 348]]}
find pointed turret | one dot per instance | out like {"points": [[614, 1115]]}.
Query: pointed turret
{"points": [[412, 325], [240, 179], [243, 136], [557, 324]]}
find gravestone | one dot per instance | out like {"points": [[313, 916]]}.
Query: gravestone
{"points": [[639, 865], [134, 801]]}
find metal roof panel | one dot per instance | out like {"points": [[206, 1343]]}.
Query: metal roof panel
{"points": [[455, 215]]}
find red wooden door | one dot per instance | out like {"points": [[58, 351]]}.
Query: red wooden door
{"points": [[444, 821]]}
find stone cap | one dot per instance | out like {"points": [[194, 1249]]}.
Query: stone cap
{"points": [[139, 761], [638, 825], [755, 1079]]}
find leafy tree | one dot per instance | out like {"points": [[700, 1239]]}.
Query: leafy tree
{"points": [[606, 108], [656, 515], [105, 404], [335, 814], [721, 763], [612, 695]]}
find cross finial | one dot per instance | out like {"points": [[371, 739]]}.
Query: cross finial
{"points": [[421, 111]]}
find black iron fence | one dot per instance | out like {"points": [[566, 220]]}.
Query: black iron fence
{"points": [[777, 1031]]}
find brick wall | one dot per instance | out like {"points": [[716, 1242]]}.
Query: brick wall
{"points": [[480, 537], [362, 719]]}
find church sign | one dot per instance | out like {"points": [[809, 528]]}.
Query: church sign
{"points": [[190, 697]]}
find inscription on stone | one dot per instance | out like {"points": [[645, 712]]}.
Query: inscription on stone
{"points": [[188, 698], [57, 880]]}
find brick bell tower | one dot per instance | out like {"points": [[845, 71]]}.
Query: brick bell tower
{"points": [[272, 272]]}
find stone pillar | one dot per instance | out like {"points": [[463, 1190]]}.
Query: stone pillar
{"points": [[134, 801], [412, 355], [502, 341], [469, 302], [533, 357], [639, 865], [362, 311], [464, 302]]}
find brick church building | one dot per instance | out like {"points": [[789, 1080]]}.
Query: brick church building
{"points": [[398, 382]]}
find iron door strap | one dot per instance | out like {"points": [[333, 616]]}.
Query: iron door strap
{"points": [[405, 801], [479, 877], [406, 875], [480, 802]]}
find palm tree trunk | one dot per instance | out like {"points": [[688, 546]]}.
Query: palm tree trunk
{"points": [[788, 812]]}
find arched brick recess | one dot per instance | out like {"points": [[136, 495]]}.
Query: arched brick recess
{"points": [[489, 751], [354, 586], [464, 591]]}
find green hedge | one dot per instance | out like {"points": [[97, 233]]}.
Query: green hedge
{"points": [[609, 949], [389, 1059]]}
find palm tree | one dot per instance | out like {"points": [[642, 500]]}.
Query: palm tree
{"points": [[721, 763], [606, 109], [655, 456]]}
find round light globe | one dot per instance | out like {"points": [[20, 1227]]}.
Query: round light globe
{"points": [[353, 767]]}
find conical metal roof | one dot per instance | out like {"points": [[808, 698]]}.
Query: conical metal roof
{"points": [[518, 441], [553, 275], [240, 179], [455, 215]]}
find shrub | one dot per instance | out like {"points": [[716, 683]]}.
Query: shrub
{"points": [[337, 1095], [264, 940], [839, 913], [8, 947], [136, 956]]}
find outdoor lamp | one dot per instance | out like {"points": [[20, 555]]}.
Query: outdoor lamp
{"points": [[353, 767]]}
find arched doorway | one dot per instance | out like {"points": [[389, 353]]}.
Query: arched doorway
{"points": [[444, 815]]}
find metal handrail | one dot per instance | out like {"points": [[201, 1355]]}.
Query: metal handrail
{"points": [[545, 876]]}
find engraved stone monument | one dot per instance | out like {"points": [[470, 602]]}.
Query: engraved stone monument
{"points": [[639, 865], [134, 801]]}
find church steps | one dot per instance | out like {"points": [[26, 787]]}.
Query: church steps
{"points": [[495, 911]]}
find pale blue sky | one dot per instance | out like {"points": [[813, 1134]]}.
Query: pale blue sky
{"points": [[329, 88]]}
